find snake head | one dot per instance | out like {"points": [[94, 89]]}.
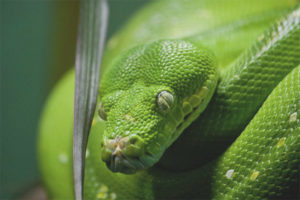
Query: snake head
{"points": [[149, 95]]}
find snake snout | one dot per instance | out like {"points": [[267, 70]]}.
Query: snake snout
{"points": [[122, 154]]}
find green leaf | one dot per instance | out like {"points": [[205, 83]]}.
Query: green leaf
{"points": [[90, 43]]}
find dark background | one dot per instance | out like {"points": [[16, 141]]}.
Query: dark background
{"points": [[37, 45]]}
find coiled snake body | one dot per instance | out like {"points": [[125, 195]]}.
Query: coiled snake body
{"points": [[187, 109]]}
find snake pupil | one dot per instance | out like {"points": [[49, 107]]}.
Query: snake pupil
{"points": [[165, 100]]}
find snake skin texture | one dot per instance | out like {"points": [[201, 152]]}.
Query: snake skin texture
{"points": [[245, 144]]}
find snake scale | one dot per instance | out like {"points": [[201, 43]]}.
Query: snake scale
{"points": [[199, 100]]}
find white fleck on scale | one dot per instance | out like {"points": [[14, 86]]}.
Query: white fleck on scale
{"points": [[229, 173]]}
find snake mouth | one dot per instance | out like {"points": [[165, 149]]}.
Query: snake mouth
{"points": [[126, 154], [124, 164]]}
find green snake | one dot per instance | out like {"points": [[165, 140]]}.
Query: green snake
{"points": [[199, 100]]}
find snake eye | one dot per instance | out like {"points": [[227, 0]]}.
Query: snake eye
{"points": [[165, 101], [101, 111]]}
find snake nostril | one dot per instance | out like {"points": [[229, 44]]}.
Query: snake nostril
{"points": [[135, 140], [134, 147], [121, 150]]}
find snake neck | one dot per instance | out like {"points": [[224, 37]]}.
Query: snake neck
{"points": [[243, 88]]}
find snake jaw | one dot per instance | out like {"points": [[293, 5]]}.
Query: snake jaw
{"points": [[125, 154]]}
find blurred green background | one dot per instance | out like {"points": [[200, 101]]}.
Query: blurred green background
{"points": [[37, 45]]}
